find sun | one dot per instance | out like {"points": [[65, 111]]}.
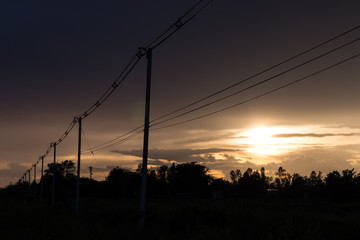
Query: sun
{"points": [[261, 140]]}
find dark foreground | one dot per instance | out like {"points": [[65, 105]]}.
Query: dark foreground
{"points": [[100, 219]]}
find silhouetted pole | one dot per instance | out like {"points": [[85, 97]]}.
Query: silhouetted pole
{"points": [[78, 171], [53, 183], [42, 180], [91, 171], [35, 173], [34, 180], [146, 138], [29, 189]]}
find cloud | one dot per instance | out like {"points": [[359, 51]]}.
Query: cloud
{"points": [[343, 126], [317, 135], [325, 159], [178, 155], [13, 169], [203, 139], [302, 161]]}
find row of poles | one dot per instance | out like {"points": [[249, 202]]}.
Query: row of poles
{"points": [[144, 161], [193, 11]]}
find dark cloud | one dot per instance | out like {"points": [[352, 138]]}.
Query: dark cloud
{"points": [[203, 139], [352, 126], [13, 169], [178, 155], [315, 135], [302, 161], [325, 159]]}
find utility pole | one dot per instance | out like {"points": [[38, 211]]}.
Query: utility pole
{"points": [[41, 180], [29, 189], [78, 171], [35, 173], [53, 182], [91, 171], [34, 180], [146, 139]]}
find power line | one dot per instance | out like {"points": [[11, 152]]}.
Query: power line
{"points": [[87, 143], [125, 139], [131, 65], [121, 138], [259, 73], [258, 83], [151, 42], [113, 140], [165, 35], [261, 95], [123, 75]]}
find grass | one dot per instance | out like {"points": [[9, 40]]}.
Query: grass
{"points": [[272, 218]]}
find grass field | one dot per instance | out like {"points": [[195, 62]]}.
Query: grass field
{"points": [[270, 218]]}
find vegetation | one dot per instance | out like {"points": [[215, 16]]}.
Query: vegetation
{"points": [[186, 202], [192, 179]]}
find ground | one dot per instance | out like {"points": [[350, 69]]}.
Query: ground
{"points": [[187, 218]]}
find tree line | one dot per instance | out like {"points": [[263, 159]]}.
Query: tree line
{"points": [[191, 180]]}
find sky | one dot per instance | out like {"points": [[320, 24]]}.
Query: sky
{"points": [[58, 58]]}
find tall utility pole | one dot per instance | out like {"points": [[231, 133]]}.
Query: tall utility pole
{"points": [[91, 171], [53, 182], [29, 189], [34, 180], [78, 171], [146, 138], [41, 180], [34, 173]]}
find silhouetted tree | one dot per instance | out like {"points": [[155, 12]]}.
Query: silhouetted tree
{"points": [[333, 183], [298, 184], [235, 176], [123, 182], [189, 178], [283, 178], [64, 169]]}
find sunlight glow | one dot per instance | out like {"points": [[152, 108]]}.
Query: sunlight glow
{"points": [[260, 140]]}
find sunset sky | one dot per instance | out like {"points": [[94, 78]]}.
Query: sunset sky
{"points": [[58, 58]]}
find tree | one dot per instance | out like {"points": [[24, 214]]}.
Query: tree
{"points": [[65, 169], [298, 184], [315, 179], [348, 177], [189, 178], [265, 180], [235, 176], [283, 179], [333, 183], [123, 182]]}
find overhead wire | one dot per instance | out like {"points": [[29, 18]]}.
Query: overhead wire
{"points": [[122, 138], [179, 24], [259, 83], [113, 140], [258, 74], [125, 139], [92, 152], [129, 67], [123, 75], [151, 42], [260, 95], [157, 41]]}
